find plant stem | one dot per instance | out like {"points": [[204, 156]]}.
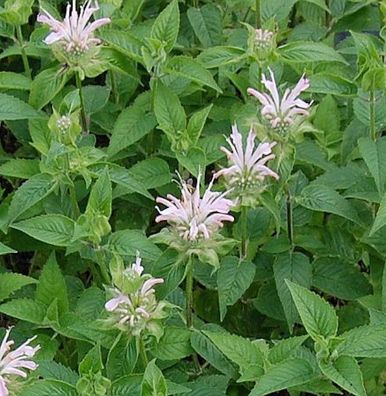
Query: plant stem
{"points": [[373, 131], [24, 56], [83, 113], [244, 231], [189, 293], [74, 202], [142, 352], [290, 229], [258, 15]]}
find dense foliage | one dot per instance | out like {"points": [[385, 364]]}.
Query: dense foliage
{"points": [[193, 197]]}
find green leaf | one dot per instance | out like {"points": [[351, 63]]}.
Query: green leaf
{"points": [[246, 354], [95, 97], [122, 357], [194, 160], [166, 26], [286, 374], [380, 218], [208, 385], [346, 373], [373, 155], [220, 56], [129, 242], [10, 282], [174, 344], [196, 124], [49, 388], [207, 24], [52, 285], [46, 85], [29, 193], [127, 385], [340, 279], [153, 382], [168, 110], [56, 371], [132, 124], [233, 278], [295, 267], [153, 172], [307, 52], [278, 9], [318, 316], [10, 80], [25, 309], [12, 108], [326, 83], [365, 341], [92, 362], [101, 196], [207, 350], [191, 69], [322, 198], [327, 116], [285, 348], [90, 303], [56, 230], [362, 109], [4, 249], [20, 168], [124, 42]]}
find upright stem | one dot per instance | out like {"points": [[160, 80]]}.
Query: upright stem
{"points": [[258, 15], [189, 293], [24, 56], [290, 229], [74, 203], [244, 231], [142, 352], [83, 113], [373, 131]]}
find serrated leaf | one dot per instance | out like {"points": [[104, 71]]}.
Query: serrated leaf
{"points": [[153, 172], [10, 80], [196, 123], [283, 349], [317, 315], [122, 357], [174, 344], [295, 267], [246, 354], [233, 279], [46, 85], [346, 373], [56, 230], [322, 198], [25, 309], [12, 108], [220, 56], [380, 218], [10, 282], [278, 9], [207, 24], [166, 25], [191, 69], [153, 381], [286, 374], [95, 98], [56, 371], [101, 196], [20, 168], [365, 341], [52, 285], [124, 42], [29, 193], [327, 83], [132, 124], [49, 388]]}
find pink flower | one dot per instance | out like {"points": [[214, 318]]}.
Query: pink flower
{"points": [[194, 217], [136, 269], [247, 167], [75, 31], [13, 362], [281, 112]]}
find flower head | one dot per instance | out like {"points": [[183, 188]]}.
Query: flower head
{"points": [[263, 38], [193, 217], [12, 363], [135, 270], [247, 169], [138, 310], [75, 32], [281, 112]]}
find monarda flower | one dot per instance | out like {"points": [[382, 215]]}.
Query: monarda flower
{"points": [[192, 217], [247, 167], [12, 363], [263, 39], [137, 311], [281, 112], [74, 36]]}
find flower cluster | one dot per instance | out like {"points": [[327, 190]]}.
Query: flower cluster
{"points": [[194, 217], [247, 167], [133, 306], [263, 38], [74, 34], [281, 112], [12, 363]]}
